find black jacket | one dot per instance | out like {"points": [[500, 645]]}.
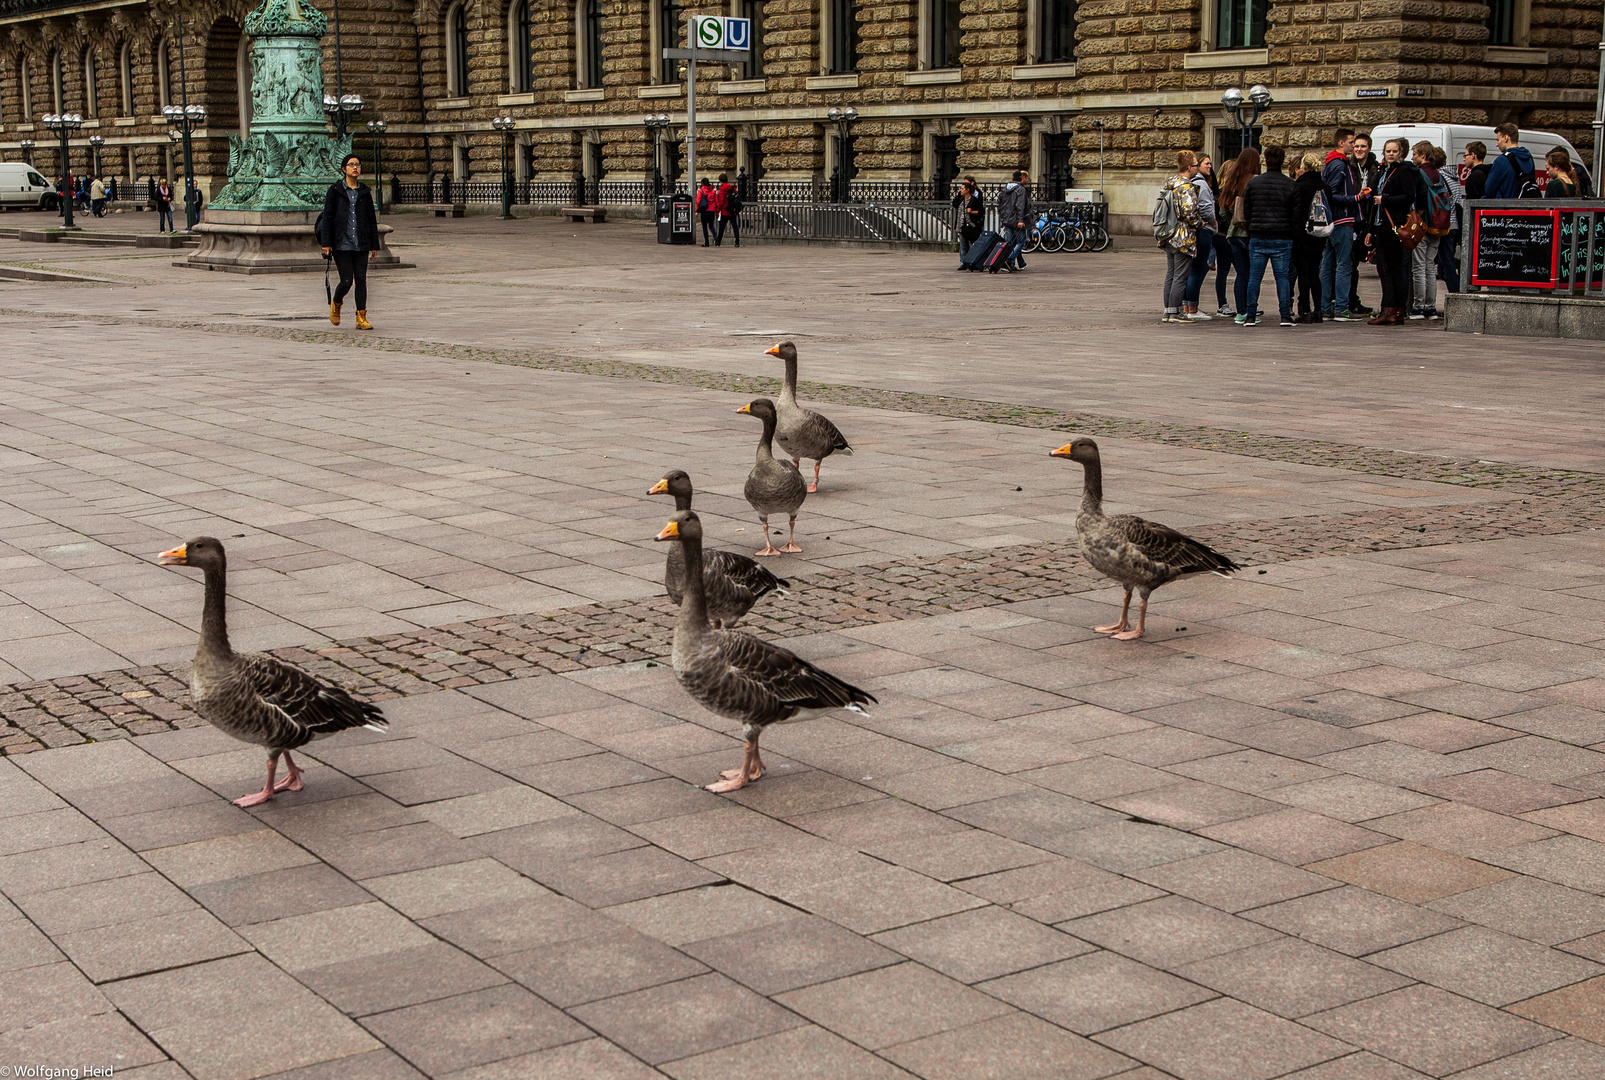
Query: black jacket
{"points": [[1305, 189], [1268, 208], [1400, 187], [1477, 180], [334, 201], [974, 212]]}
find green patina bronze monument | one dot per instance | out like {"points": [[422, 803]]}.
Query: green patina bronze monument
{"points": [[262, 220]]}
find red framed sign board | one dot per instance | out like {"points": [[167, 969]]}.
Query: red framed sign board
{"points": [[1516, 249]]}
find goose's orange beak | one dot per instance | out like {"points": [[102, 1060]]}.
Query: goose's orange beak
{"points": [[659, 488], [773, 350], [1063, 451], [670, 531], [175, 556], [745, 409]]}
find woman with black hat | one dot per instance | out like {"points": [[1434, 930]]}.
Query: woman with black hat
{"points": [[348, 230]]}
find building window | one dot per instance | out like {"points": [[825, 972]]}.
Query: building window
{"points": [[1057, 156], [673, 161], [91, 89], [595, 155], [670, 36], [55, 81], [942, 49], [1057, 41], [944, 164], [843, 35], [755, 169], [164, 73], [1241, 24], [590, 50], [521, 52], [457, 51], [752, 11], [1229, 143], [1501, 22], [125, 78], [25, 84]]}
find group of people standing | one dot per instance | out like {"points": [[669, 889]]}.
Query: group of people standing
{"points": [[719, 208], [1314, 228]]}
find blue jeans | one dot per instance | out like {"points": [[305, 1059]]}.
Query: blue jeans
{"points": [[1016, 239], [164, 219], [1195, 280], [1337, 267], [1279, 253]]}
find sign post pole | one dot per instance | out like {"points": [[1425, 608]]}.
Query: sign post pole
{"points": [[691, 123], [706, 39]]}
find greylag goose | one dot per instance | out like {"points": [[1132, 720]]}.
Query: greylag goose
{"points": [[254, 697], [801, 432], [732, 583], [735, 675], [1141, 555], [772, 486]]}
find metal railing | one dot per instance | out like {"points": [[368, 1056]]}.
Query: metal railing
{"points": [[1531, 247]]}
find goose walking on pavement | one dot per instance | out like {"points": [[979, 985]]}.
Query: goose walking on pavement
{"points": [[801, 432], [737, 676], [1141, 555], [731, 582], [773, 487], [255, 697]]}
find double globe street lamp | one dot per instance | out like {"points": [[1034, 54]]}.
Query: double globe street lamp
{"points": [[504, 124], [64, 124], [655, 123], [95, 143], [842, 174], [26, 146], [183, 121], [1232, 105], [342, 111]]}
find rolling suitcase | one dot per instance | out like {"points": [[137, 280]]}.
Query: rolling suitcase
{"points": [[983, 246], [996, 258]]}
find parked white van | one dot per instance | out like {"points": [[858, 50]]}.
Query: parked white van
{"points": [[1454, 137], [21, 185]]}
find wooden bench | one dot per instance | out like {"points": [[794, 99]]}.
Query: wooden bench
{"points": [[448, 209], [584, 213]]}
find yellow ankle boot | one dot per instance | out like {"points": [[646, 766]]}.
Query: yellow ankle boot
{"points": [[362, 321], [334, 312]]}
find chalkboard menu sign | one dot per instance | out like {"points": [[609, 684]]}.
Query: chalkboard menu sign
{"points": [[1574, 248], [1515, 248]]}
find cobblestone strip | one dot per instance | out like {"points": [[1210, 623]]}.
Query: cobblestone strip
{"points": [[141, 700], [1514, 478]]}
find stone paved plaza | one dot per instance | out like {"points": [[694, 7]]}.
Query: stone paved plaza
{"points": [[1341, 817]]}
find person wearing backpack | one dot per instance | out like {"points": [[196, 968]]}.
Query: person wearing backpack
{"points": [[1176, 230], [1311, 205], [704, 205], [1448, 254], [1439, 219], [727, 201], [1512, 175], [1337, 259]]}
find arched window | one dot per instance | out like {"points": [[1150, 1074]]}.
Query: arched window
{"points": [[457, 51], [164, 74], [671, 34], [125, 78], [59, 104], [590, 43], [521, 55], [91, 87], [25, 83]]}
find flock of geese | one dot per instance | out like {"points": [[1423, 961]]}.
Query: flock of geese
{"points": [[267, 702]]}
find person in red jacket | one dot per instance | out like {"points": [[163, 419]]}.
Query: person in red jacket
{"points": [[705, 211], [727, 204]]}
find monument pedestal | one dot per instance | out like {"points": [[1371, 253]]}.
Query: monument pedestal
{"points": [[268, 242]]}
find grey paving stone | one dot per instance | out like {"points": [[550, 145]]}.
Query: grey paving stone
{"points": [[1431, 1030], [1015, 1047], [1292, 978], [799, 1053], [984, 943], [1223, 1040], [685, 1018], [1352, 921], [578, 970], [778, 957], [893, 1005], [1168, 932], [471, 1029], [1095, 992]]}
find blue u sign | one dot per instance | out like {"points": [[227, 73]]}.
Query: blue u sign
{"points": [[738, 33]]}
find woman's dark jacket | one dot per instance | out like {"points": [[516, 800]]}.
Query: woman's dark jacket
{"points": [[974, 211], [1560, 189], [332, 222], [1304, 192], [1268, 207], [1400, 188]]}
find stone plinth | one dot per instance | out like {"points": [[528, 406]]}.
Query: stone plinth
{"points": [[1525, 316], [268, 242]]}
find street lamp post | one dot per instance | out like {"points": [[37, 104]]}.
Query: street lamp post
{"points": [[504, 124], [184, 120], [64, 124], [95, 143], [655, 123], [1232, 104], [376, 128], [27, 150], [342, 111], [841, 175]]}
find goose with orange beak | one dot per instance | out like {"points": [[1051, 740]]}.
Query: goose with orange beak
{"points": [[254, 697], [773, 487], [737, 676], [1141, 555], [801, 432]]}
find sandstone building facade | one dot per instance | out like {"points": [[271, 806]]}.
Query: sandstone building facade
{"points": [[940, 87]]}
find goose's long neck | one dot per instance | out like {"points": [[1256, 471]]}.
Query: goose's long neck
{"points": [[788, 388], [1092, 492], [682, 503], [214, 619], [766, 442], [693, 617]]}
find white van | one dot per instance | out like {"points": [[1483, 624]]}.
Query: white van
{"points": [[21, 185], [1454, 137]]}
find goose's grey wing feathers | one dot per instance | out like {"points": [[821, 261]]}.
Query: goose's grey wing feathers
{"points": [[311, 706], [1164, 545], [813, 436], [792, 680]]}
